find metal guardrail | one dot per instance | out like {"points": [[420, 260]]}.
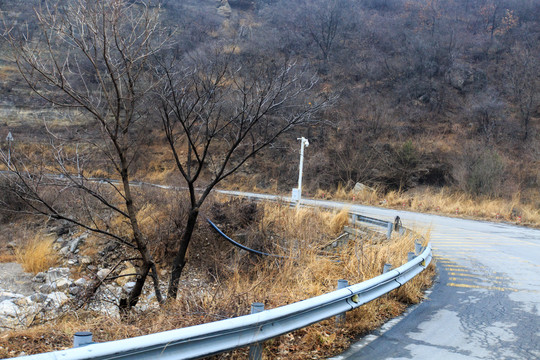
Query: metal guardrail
{"points": [[216, 337], [388, 225], [370, 220]]}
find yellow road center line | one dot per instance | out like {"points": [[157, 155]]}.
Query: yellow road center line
{"points": [[462, 278], [456, 245], [458, 251], [462, 274], [524, 242], [463, 241], [508, 240], [458, 279], [455, 265], [481, 287], [478, 276]]}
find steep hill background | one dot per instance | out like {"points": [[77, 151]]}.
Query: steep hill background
{"points": [[430, 92]]}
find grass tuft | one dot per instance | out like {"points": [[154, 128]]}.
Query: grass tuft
{"points": [[339, 220], [36, 255]]}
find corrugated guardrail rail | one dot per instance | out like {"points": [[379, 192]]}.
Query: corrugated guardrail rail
{"points": [[216, 337]]}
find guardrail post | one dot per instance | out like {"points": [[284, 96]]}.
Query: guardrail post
{"points": [[386, 268], [255, 350], [418, 247], [341, 284], [389, 233], [410, 256], [82, 338]]}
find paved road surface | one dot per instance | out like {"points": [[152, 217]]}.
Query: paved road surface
{"points": [[485, 303]]}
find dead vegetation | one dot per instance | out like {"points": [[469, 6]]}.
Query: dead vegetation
{"points": [[37, 254], [447, 201], [231, 279]]}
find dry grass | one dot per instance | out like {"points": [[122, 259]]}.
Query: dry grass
{"points": [[239, 279], [449, 202], [338, 221], [5, 258], [36, 255]]}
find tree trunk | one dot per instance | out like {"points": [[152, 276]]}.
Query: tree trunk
{"points": [[147, 260], [137, 289], [180, 259]]}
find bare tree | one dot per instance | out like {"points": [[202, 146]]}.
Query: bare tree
{"points": [[217, 113], [486, 112], [523, 83], [324, 22], [92, 58], [317, 24]]}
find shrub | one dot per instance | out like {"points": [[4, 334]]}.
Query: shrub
{"points": [[10, 203], [484, 174]]}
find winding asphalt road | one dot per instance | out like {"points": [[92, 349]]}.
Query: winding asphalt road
{"points": [[486, 300]]}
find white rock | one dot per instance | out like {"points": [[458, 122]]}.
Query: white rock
{"points": [[62, 284], [151, 296], [40, 277], [80, 282], [103, 273], [56, 299], [85, 260], [112, 292], [74, 244], [38, 297], [359, 188], [57, 273], [8, 295], [129, 286], [23, 302], [8, 309], [46, 288], [126, 275], [74, 290]]}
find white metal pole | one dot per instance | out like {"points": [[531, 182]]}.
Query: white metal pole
{"points": [[9, 139], [303, 142]]}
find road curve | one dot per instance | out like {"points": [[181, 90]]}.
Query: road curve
{"points": [[486, 300]]}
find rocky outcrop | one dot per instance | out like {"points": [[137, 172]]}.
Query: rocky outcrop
{"points": [[463, 77], [224, 9], [361, 188], [49, 294]]}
